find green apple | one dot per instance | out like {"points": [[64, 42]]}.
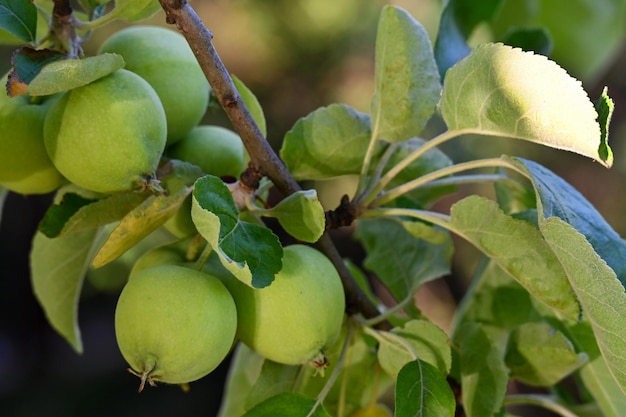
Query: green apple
{"points": [[215, 149], [163, 58], [174, 324], [296, 318], [109, 135], [25, 167], [181, 225]]}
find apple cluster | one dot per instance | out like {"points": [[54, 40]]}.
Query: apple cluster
{"points": [[175, 324], [110, 135]]}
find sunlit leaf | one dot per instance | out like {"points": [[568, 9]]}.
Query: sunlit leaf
{"points": [[58, 268], [518, 248], [600, 293], [422, 390], [502, 91], [407, 79], [458, 20], [329, 142], [252, 103], [67, 74], [586, 34]]}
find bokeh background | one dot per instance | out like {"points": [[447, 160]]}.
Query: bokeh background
{"points": [[296, 55]]}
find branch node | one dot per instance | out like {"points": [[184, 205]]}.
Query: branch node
{"points": [[343, 215]]}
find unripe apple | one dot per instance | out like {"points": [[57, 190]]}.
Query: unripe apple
{"points": [[163, 58], [174, 324], [181, 225], [298, 316], [25, 167], [215, 149], [109, 135]]}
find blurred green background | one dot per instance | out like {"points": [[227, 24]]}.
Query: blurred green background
{"points": [[296, 55]]}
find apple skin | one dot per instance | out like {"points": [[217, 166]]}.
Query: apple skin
{"points": [[107, 136], [216, 150], [174, 324], [25, 167], [163, 58], [299, 315]]}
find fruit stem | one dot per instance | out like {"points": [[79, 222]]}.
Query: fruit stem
{"points": [[263, 157], [335, 374]]}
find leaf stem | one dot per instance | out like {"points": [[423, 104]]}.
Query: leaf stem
{"points": [[439, 219], [433, 143], [541, 401], [435, 175], [390, 311], [383, 336]]}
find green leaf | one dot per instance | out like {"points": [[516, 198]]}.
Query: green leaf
{"points": [[484, 375], [58, 268], [425, 340], [252, 253], [495, 298], [536, 39], [329, 142], [539, 355], [600, 294], [402, 261], [457, 22], [58, 214], [301, 215], [406, 77], [19, 18], [422, 390], [514, 196], [129, 10], [501, 91], [586, 34], [274, 378], [287, 405], [595, 374], [605, 106], [67, 74], [555, 197], [244, 370], [252, 103], [151, 214], [518, 248]]}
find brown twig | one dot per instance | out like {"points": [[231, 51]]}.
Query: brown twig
{"points": [[263, 157]]}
